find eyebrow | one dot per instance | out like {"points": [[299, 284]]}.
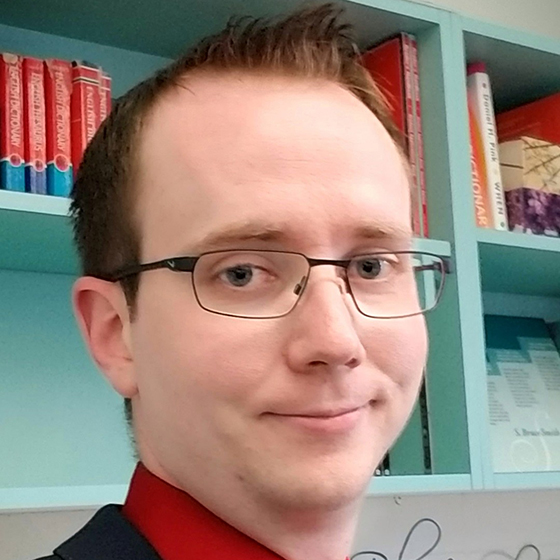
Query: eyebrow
{"points": [[266, 232]]}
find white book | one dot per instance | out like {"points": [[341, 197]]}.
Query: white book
{"points": [[480, 97], [523, 381]]}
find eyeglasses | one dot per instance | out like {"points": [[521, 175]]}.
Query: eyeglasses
{"points": [[268, 284]]}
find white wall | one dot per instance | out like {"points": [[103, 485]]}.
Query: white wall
{"points": [[473, 526], [537, 16]]}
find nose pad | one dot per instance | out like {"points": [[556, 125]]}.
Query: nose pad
{"points": [[300, 286]]}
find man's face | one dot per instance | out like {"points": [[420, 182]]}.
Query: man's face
{"points": [[217, 396]]}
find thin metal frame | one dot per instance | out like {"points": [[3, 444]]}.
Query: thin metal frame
{"points": [[188, 263]]}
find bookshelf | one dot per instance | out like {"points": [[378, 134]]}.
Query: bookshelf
{"points": [[54, 405], [518, 274], [517, 263]]}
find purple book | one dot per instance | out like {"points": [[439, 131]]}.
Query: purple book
{"points": [[530, 170], [531, 211]]}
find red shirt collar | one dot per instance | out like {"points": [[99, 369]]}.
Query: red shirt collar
{"points": [[180, 528]]}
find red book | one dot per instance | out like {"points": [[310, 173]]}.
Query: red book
{"points": [[85, 108], [58, 90], [390, 65], [410, 132], [539, 119], [35, 122], [105, 96], [420, 164], [12, 137]]}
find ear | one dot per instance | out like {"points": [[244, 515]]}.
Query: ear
{"points": [[103, 317]]}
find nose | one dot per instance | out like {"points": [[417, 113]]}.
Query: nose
{"points": [[322, 331]]}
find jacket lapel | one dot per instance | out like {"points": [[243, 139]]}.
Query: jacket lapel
{"points": [[107, 536]]}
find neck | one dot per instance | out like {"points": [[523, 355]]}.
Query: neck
{"points": [[314, 534], [318, 531]]}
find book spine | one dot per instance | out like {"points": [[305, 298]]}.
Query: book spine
{"points": [[12, 136], [34, 119], [105, 96], [58, 88], [480, 97], [85, 113], [483, 211], [419, 138], [384, 467], [425, 421], [410, 136]]}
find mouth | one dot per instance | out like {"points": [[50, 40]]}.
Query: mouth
{"points": [[327, 422], [326, 414]]}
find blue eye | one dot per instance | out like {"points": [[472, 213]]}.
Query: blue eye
{"points": [[239, 276], [369, 268]]}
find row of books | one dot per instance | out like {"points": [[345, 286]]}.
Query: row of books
{"points": [[515, 160], [49, 111], [393, 66], [523, 382]]}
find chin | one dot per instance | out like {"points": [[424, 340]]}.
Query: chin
{"points": [[326, 488]]}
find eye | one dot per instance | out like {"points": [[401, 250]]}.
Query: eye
{"points": [[372, 267], [369, 268], [239, 276]]}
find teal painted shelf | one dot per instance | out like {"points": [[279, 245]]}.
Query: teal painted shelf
{"points": [[527, 481], [165, 31], [60, 498], [519, 263], [422, 484], [532, 59], [36, 234], [54, 403]]}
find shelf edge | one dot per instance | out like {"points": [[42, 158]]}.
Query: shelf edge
{"points": [[60, 497], [419, 484]]}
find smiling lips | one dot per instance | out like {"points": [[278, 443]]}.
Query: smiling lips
{"points": [[326, 413], [325, 421]]}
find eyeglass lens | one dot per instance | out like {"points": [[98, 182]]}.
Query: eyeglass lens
{"points": [[268, 284]]}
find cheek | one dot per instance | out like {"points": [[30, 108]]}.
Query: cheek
{"points": [[400, 350], [193, 358]]}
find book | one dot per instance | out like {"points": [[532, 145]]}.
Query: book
{"points": [[419, 137], [538, 119], [409, 128], [480, 99], [34, 126], [58, 90], [104, 96], [483, 210], [523, 381], [12, 137], [384, 467], [391, 65], [425, 422], [531, 177], [85, 111]]}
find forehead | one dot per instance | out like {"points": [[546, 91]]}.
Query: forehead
{"points": [[238, 148]]}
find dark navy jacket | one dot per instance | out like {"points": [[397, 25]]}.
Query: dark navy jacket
{"points": [[107, 536]]}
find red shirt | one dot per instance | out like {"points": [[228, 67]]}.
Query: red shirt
{"points": [[180, 528]]}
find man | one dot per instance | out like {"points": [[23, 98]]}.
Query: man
{"points": [[243, 220]]}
